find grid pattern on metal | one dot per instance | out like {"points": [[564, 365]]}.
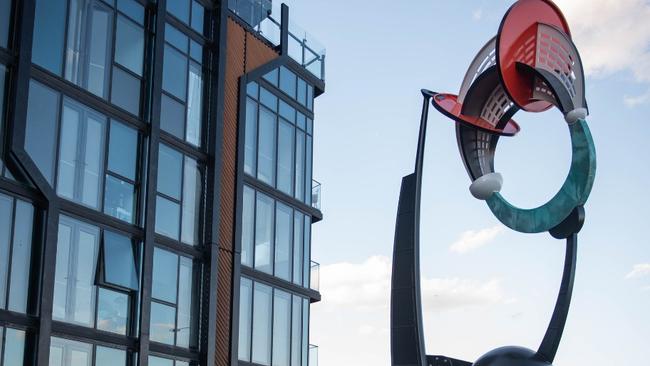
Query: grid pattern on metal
{"points": [[496, 106], [556, 54], [483, 60]]}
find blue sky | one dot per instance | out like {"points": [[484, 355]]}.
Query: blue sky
{"points": [[484, 285]]}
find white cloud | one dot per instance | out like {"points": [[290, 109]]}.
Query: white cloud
{"points": [[612, 35], [633, 101], [472, 239], [639, 270], [477, 14]]}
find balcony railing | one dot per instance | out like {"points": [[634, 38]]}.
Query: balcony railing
{"points": [[302, 47], [316, 194], [314, 279], [313, 355]]}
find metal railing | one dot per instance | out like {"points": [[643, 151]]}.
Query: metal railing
{"points": [[316, 194], [314, 279], [302, 47], [313, 355]]}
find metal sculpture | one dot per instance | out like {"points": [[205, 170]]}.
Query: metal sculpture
{"points": [[531, 65]]}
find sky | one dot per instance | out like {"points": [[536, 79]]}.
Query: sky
{"points": [[483, 285]]}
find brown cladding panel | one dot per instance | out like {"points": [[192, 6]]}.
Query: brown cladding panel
{"points": [[244, 53]]}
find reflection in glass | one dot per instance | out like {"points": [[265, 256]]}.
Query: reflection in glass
{"points": [[112, 311], [191, 202], [49, 34], [172, 116], [184, 326], [168, 216], [119, 261], [180, 9], [158, 361], [129, 44], [262, 324], [283, 234], [105, 356], [248, 226], [6, 219], [300, 165], [162, 323], [194, 105], [296, 327], [281, 328], [40, 134], [165, 265], [306, 266], [266, 146], [169, 172], [285, 157], [21, 257], [263, 233], [123, 150], [305, 330], [14, 347], [288, 82], [119, 200], [65, 352], [298, 236], [174, 75], [125, 91], [245, 307], [250, 143]]}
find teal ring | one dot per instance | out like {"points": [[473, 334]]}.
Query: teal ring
{"points": [[574, 191]]}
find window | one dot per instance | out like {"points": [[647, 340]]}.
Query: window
{"points": [[292, 85], [41, 131], [77, 299], [186, 9], [273, 325], [173, 306], [12, 343], [16, 218], [5, 19], [278, 143], [182, 99], [179, 196], [275, 238], [159, 361], [65, 352], [121, 175], [104, 48]]}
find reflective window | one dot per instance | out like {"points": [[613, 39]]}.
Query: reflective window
{"points": [[179, 196], [5, 19], [12, 342], [190, 12], [181, 108], [248, 227], [298, 248], [159, 361], [288, 82], [41, 131], [104, 48], [264, 218], [112, 311], [66, 352], [173, 307], [119, 197], [278, 143], [16, 219], [119, 267], [2, 95], [283, 241], [273, 325]]}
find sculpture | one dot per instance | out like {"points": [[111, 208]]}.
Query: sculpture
{"points": [[531, 65]]}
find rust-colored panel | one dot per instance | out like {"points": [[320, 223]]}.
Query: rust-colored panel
{"points": [[244, 52]]}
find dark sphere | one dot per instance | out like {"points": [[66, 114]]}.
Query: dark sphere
{"points": [[510, 356]]}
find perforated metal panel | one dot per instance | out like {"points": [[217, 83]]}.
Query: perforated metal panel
{"points": [[483, 60], [496, 106]]}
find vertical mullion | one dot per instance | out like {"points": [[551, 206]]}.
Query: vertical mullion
{"points": [[11, 252], [155, 60], [105, 170]]}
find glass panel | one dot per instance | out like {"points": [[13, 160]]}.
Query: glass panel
{"points": [[5, 18], [168, 217], [184, 329], [248, 227], [172, 116], [125, 91], [196, 51], [262, 324], [268, 99], [305, 330], [245, 305], [21, 257], [283, 235], [68, 153], [129, 44], [157, 361], [307, 252], [250, 148], [308, 169], [132, 9], [272, 77], [252, 89], [310, 97], [6, 218], [109, 357], [302, 121], [40, 134], [93, 161], [14, 347], [296, 327], [288, 82], [194, 105], [281, 328], [298, 236], [84, 270], [264, 233], [162, 323], [119, 261], [2, 99], [285, 157], [65, 352], [169, 172], [89, 46], [197, 16], [180, 9], [176, 38], [123, 150], [300, 165], [165, 267], [174, 74], [302, 92], [112, 311], [191, 202], [119, 199], [49, 34], [287, 111], [63, 245], [266, 146]]}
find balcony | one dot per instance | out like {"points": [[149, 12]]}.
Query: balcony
{"points": [[313, 355], [302, 47], [316, 194], [314, 279]]}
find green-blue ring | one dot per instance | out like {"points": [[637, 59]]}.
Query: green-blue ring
{"points": [[574, 191]]}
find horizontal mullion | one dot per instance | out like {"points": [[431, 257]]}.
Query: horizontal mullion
{"points": [[22, 191], [91, 335], [178, 247], [87, 98], [280, 196], [184, 147], [280, 283], [98, 218], [6, 57], [165, 350], [120, 177], [186, 29], [12, 320], [286, 98]]}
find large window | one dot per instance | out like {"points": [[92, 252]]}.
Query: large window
{"points": [[182, 98], [178, 204], [275, 238], [65, 352], [292, 85], [190, 12], [5, 21], [96, 280], [273, 325], [12, 346], [103, 51], [16, 218], [96, 164], [278, 143], [174, 310]]}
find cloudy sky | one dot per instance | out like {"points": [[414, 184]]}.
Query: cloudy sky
{"points": [[483, 285]]}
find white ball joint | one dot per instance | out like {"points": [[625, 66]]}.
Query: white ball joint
{"points": [[483, 187], [575, 115]]}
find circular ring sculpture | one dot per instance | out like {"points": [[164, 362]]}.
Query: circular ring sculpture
{"points": [[531, 65]]}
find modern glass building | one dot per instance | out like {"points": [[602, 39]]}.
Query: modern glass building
{"points": [[156, 190]]}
